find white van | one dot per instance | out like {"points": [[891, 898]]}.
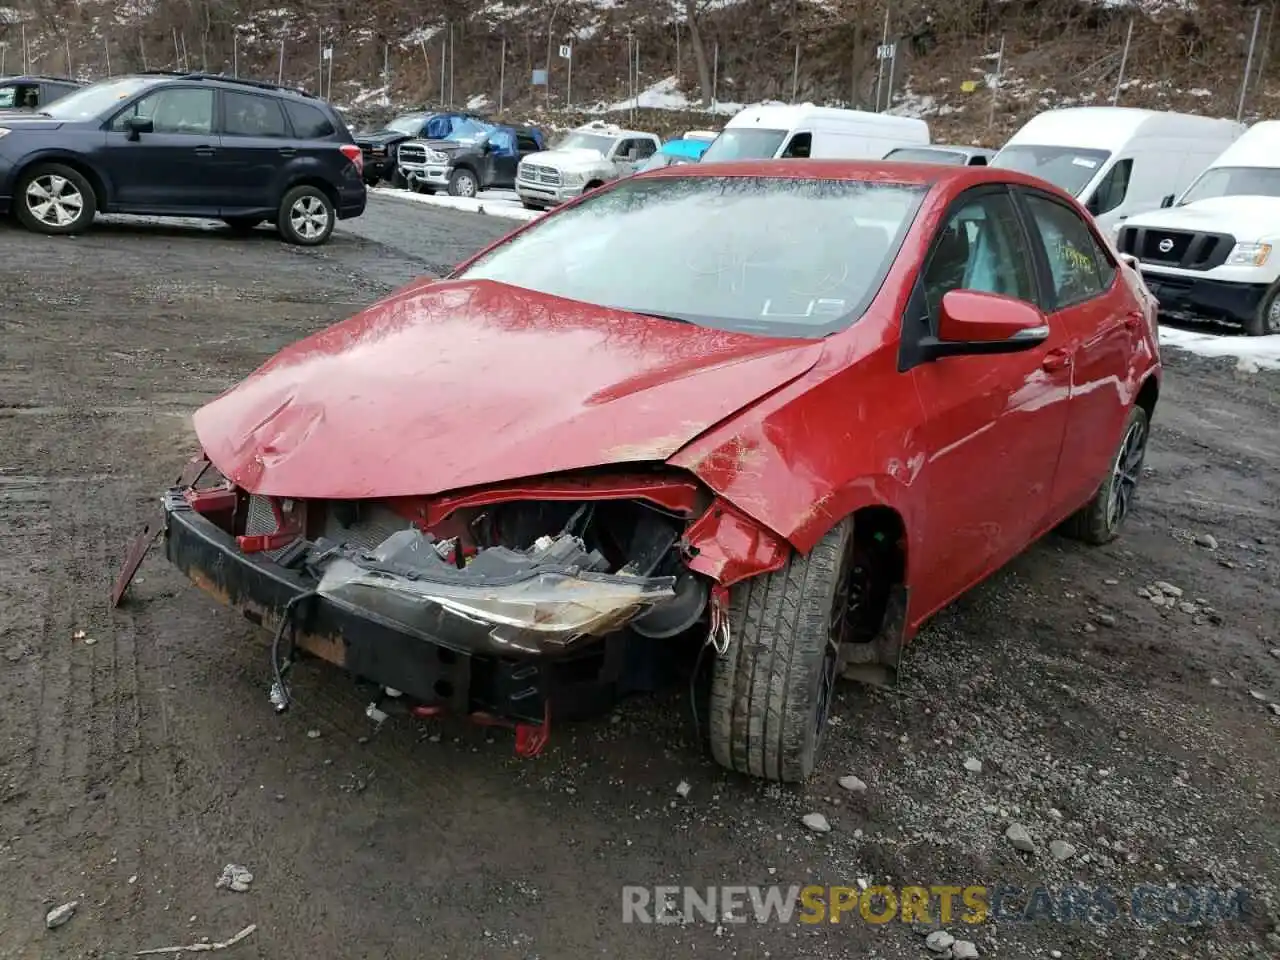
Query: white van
{"points": [[1117, 161], [1216, 252], [824, 133]]}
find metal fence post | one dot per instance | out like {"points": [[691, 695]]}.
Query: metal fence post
{"points": [[142, 49], [1124, 61], [715, 74], [106, 49], [66, 41], [502, 74], [884, 42], [795, 74], [453, 56], [1265, 53], [1248, 64], [888, 92], [444, 57], [995, 86], [235, 54], [280, 69]]}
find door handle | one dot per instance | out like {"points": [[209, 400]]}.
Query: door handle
{"points": [[204, 151], [287, 151], [1056, 360]]}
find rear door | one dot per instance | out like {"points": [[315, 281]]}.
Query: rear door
{"points": [[501, 159], [1086, 297], [171, 169], [257, 146]]}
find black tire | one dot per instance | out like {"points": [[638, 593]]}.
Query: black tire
{"points": [[771, 691], [242, 224], [531, 206], [1099, 521], [1266, 321], [398, 180], [71, 202], [463, 183], [303, 210]]}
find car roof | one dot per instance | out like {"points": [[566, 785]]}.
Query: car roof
{"points": [[883, 171], [610, 130]]}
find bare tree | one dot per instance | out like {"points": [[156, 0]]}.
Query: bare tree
{"points": [[693, 11]]}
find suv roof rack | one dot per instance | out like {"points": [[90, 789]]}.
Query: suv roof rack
{"points": [[43, 76], [223, 78]]}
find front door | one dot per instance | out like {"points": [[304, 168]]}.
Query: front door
{"points": [[994, 425], [1089, 299], [168, 169]]}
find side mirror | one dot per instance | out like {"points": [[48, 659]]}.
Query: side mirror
{"points": [[1166, 202], [138, 126], [975, 324]]}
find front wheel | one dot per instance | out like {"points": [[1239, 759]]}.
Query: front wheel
{"points": [[462, 183], [306, 216], [55, 199], [1266, 321], [1099, 521], [771, 692], [530, 206]]}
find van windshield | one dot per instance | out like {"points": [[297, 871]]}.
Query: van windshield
{"points": [[744, 144], [1233, 182], [1070, 168]]}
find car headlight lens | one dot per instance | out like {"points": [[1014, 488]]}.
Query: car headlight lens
{"points": [[574, 179], [1249, 254], [435, 156]]}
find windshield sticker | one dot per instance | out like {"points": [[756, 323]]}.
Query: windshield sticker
{"points": [[1084, 162]]}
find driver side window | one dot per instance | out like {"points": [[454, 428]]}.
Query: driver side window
{"points": [[437, 128], [176, 110], [981, 248], [1111, 191]]}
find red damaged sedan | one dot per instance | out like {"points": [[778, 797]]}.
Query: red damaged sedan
{"points": [[782, 412]]}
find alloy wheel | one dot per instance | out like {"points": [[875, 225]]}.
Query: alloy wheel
{"points": [[54, 200], [1125, 473], [466, 186], [309, 217], [1273, 316]]}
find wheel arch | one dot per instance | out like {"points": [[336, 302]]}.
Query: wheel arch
{"points": [[77, 163], [311, 180]]}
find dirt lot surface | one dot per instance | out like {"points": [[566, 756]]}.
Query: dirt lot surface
{"points": [[134, 767]]}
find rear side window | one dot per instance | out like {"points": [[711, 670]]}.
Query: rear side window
{"points": [[527, 144], [1080, 269], [248, 115], [801, 145], [309, 123]]}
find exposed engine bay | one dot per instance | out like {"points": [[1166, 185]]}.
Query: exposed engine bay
{"points": [[527, 577]]}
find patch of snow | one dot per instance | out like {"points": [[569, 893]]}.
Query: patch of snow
{"points": [[1200, 92], [378, 95], [1251, 353], [664, 95], [420, 36], [10, 15], [479, 102], [494, 203]]}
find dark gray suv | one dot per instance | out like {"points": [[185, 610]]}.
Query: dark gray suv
{"points": [[182, 145]]}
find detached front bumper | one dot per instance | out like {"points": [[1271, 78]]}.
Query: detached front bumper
{"points": [[438, 653], [1219, 299]]}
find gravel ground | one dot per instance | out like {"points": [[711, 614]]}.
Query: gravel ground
{"points": [[140, 757]]}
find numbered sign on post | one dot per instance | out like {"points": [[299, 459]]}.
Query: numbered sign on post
{"points": [[566, 52], [328, 53], [886, 51]]}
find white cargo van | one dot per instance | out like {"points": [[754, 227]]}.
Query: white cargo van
{"points": [[1117, 161], [803, 130], [1216, 252]]}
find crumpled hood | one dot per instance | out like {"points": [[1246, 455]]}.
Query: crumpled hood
{"points": [[1248, 219], [456, 384]]}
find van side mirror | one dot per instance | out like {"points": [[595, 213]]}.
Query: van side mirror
{"points": [[1166, 202]]}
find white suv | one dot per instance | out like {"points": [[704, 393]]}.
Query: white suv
{"points": [[588, 157]]}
